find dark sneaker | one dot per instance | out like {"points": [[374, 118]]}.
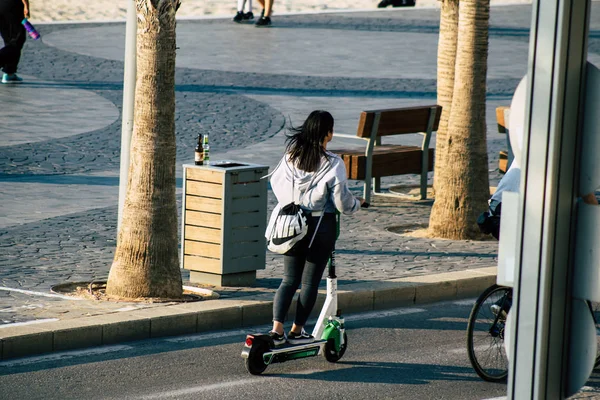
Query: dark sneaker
{"points": [[300, 338], [278, 339], [239, 17], [263, 21], [249, 15], [11, 78]]}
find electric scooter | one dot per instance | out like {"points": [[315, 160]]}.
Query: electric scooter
{"points": [[329, 332]]}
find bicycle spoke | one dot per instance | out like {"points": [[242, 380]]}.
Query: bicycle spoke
{"points": [[485, 335]]}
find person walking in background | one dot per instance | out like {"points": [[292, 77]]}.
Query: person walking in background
{"points": [[265, 16], [241, 16], [316, 180], [12, 13], [396, 3]]}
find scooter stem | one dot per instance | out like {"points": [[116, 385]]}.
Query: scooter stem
{"points": [[329, 308]]}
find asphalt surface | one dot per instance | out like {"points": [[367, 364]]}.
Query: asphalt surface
{"points": [[405, 353], [60, 138], [401, 353]]}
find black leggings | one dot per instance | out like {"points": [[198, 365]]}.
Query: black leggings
{"points": [[305, 266], [13, 33]]}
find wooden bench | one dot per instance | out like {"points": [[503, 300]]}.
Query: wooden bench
{"points": [[378, 160], [505, 156]]}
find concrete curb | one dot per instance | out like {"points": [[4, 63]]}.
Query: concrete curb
{"points": [[212, 315]]}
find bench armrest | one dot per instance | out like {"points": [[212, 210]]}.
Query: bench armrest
{"points": [[342, 135]]}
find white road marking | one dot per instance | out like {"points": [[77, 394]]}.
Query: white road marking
{"points": [[64, 355], [216, 335], [463, 350], [265, 328], [35, 321], [384, 314], [310, 371], [466, 302], [197, 389], [59, 296], [20, 308]]}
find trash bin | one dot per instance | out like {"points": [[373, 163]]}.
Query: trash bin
{"points": [[224, 217]]}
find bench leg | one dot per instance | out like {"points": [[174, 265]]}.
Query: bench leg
{"points": [[424, 186], [367, 190], [376, 185]]}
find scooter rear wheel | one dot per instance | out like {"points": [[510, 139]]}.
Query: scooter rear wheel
{"points": [[331, 353], [255, 363]]}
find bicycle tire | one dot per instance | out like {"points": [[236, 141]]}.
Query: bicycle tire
{"points": [[595, 309], [485, 337]]}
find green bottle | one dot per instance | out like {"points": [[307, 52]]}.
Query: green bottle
{"points": [[206, 149]]}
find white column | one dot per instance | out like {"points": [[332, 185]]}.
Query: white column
{"points": [[128, 102], [546, 223]]}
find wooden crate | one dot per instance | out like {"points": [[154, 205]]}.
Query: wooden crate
{"points": [[224, 217]]}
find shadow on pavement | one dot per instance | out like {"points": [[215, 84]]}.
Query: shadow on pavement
{"points": [[394, 373]]}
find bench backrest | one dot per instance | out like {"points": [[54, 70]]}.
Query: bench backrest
{"points": [[501, 118], [398, 121]]}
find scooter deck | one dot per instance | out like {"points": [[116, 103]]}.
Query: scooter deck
{"points": [[289, 351], [288, 346]]}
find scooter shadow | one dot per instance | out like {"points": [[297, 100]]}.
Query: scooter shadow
{"points": [[389, 373]]}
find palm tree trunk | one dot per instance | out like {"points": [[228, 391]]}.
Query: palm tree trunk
{"points": [[464, 190], [146, 260], [445, 81]]}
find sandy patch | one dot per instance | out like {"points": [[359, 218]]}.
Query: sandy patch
{"points": [[78, 10]]}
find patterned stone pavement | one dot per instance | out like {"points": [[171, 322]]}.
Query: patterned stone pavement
{"points": [[60, 136], [59, 146]]}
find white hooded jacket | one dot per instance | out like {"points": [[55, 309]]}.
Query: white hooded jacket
{"points": [[328, 190]]}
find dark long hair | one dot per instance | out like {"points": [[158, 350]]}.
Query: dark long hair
{"points": [[304, 144]]}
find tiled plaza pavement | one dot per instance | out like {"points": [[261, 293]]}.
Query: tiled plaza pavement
{"points": [[60, 136]]}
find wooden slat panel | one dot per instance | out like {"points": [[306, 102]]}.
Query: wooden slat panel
{"points": [[250, 219], [247, 189], [204, 189], [398, 121], [245, 264], [203, 219], [204, 175], [387, 161], [202, 264], [246, 204], [245, 249], [253, 175], [500, 119], [247, 234], [206, 204], [214, 266], [202, 234], [202, 249], [503, 161]]}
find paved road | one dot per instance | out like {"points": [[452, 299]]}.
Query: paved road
{"points": [[400, 354], [60, 132], [405, 353]]}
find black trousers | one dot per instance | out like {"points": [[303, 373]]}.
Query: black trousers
{"points": [[304, 266], [13, 33]]}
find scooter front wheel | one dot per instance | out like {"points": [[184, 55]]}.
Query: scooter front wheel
{"points": [[331, 353], [255, 364]]}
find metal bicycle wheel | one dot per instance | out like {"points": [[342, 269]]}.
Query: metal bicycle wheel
{"points": [[485, 335]]}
